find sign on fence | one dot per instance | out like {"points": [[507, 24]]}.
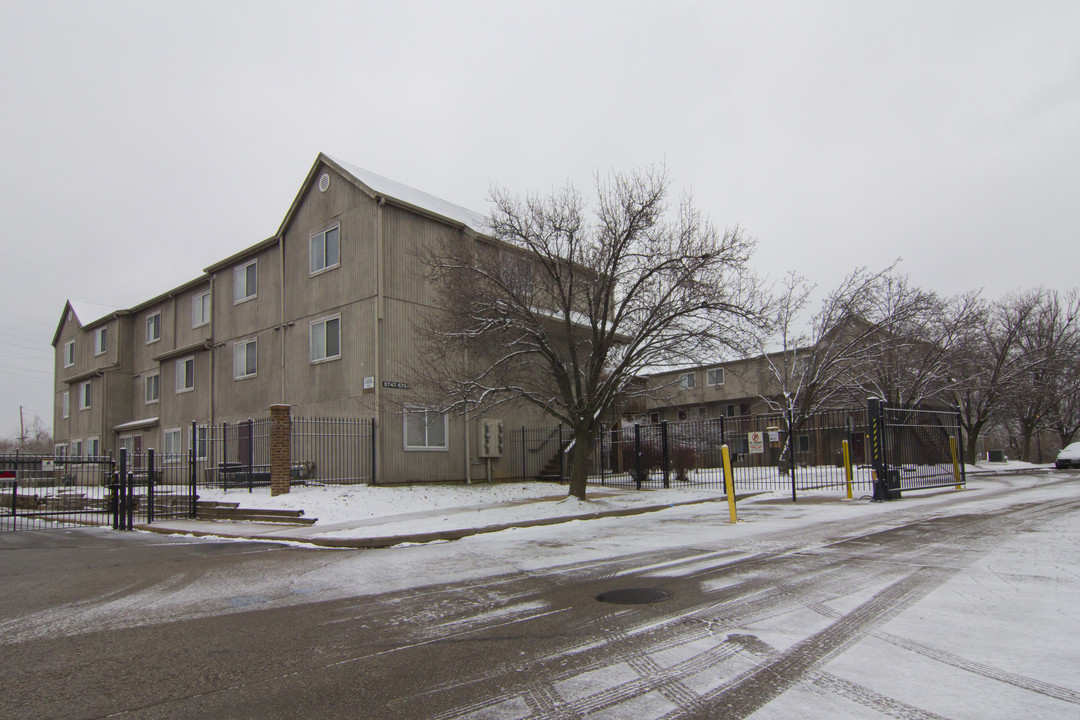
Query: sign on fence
{"points": [[756, 440]]}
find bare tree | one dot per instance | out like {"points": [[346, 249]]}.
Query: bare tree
{"points": [[564, 310], [1048, 344], [992, 365], [922, 336], [35, 439]]}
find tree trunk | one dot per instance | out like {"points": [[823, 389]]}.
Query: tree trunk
{"points": [[579, 464], [972, 440]]}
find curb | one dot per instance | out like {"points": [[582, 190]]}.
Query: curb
{"points": [[372, 543]]}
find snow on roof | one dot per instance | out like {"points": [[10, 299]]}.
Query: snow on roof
{"points": [[417, 198], [89, 312]]}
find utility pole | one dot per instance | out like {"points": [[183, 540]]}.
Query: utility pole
{"points": [[22, 430]]}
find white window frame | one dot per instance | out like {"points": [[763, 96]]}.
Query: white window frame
{"points": [[126, 441], [181, 374], [65, 404], [702, 413], [156, 326], [324, 356], [428, 421], [84, 395], [240, 359], [200, 309], [240, 282], [319, 263], [60, 450], [172, 442], [69, 353], [710, 376], [688, 380], [76, 448], [202, 442], [156, 378], [101, 340], [93, 447]]}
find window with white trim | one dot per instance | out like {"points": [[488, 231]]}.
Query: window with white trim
{"points": [[69, 353], [93, 447], [153, 328], [65, 404], [101, 339], [76, 448], [152, 391], [185, 375], [245, 281], [245, 357], [84, 395], [173, 444], [200, 310], [425, 429], [714, 376], [202, 442], [60, 450], [688, 381], [324, 250], [127, 442], [326, 339]]}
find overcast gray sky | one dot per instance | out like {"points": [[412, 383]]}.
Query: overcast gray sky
{"points": [[143, 141]]}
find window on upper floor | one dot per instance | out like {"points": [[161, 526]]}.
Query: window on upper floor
{"points": [[688, 381], [714, 376], [65, 404], [152, 390], [425, 429], [245, 281], [84, 395], [185, 375], [101, 338], [69, 353], [200, 310], [326, 339], [153, 328], [245, 356], [324, 250]]}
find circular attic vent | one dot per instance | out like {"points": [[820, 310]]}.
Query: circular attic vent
{"points": [[324, 182]]}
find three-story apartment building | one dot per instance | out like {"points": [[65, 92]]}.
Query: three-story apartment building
{"points": [[323, 316]]}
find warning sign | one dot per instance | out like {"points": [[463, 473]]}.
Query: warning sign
{"points": [[756, 442]]}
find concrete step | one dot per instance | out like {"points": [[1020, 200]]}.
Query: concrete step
{"points": [[285, 517]]}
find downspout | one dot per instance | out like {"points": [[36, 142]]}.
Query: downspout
{"points": [[281, 277], [213, 353], [378, 331]]}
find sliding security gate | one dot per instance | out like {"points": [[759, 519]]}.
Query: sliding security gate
{"points": [[914, 449], [40, 492]]}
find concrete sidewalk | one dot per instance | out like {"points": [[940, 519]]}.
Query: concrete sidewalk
{"points": [[461, 522]]}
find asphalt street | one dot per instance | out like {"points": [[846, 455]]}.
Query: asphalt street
{"points": [[131, 625]]}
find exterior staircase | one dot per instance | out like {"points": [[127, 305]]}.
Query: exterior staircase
{"points": [[212, 510]]}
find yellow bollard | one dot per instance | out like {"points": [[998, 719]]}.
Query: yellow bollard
{"points": [[955, 463], [729, 482], [847, 467]]}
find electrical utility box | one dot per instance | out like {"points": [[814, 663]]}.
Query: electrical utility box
{"points": [[491, 438]]}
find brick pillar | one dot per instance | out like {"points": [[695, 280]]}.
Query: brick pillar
{"points": [[280, 449]]}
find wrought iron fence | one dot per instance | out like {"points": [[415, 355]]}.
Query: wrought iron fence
{"points": [[333, 451]]}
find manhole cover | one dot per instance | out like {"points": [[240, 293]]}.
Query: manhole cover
{"points": [[633, 596]]}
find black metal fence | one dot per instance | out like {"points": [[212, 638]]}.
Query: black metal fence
{"points": [[915, 448], [333, 451], [768, 452], [40, 492]]}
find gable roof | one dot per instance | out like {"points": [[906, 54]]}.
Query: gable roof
{"points": [[412, 197], [86, 314]]}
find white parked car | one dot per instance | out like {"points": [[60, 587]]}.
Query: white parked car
{"points": [[1069, 457]]}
